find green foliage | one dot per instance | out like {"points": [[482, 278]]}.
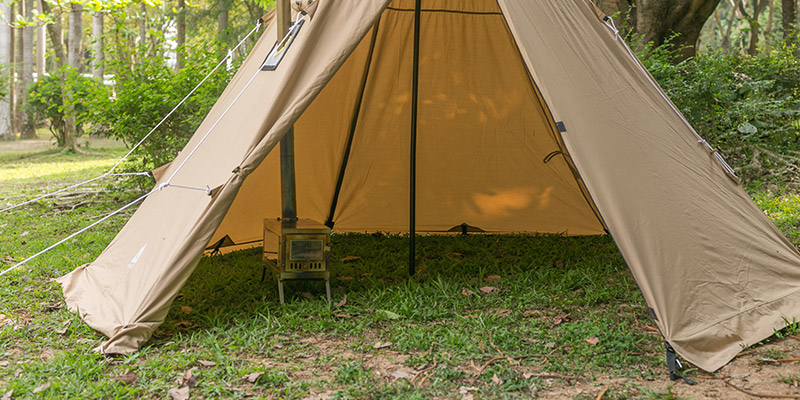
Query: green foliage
{"points": [[146, 91], [745, 105], [47, 100]]}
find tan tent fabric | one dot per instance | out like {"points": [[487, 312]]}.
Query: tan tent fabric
{"points": [[495, 79]]}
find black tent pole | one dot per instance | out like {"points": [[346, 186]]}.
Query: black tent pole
{"points": [[413, 169]]}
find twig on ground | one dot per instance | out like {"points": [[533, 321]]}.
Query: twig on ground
{"points": [[420, 372], [762, 395], [491, 342], [603, 393], [495, 359], [554, 376]]}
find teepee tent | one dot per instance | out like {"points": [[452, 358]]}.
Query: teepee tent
{"points": [[530, 116]]}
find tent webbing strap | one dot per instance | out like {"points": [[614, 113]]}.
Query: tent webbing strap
{"points": [[412, 263]]}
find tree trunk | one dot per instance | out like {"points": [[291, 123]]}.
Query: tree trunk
{"points": [[143, 24], [789, 21], [755, 27], [222, 22], [97, 45], [180, 25], [41, 49], [16, 120], [74, 61], [657, 21], [5, 58], [28, 128], [768, 31]]}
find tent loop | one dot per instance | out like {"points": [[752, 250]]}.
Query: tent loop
{"points": [[550, 156], [111, 170], [609, 22]]}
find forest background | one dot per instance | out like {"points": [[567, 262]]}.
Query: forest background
{"points": [[115, 67]]}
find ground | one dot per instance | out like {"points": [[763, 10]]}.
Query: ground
{"points": [[486, 316]]}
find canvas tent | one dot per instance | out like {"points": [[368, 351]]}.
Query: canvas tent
{"points": [[533, 116]]}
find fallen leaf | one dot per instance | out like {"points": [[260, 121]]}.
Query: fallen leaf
{"points": [[186, 309], [343, 302], [530, 313], [594, 340], [4, 364], [532, 340], [400, 374], [561, 319], [183, 324], [492, 278], [502, 311], [366, 274], [5, 320], [188, 379], [7, 395], [344, 278], [52, 306], [497, 381], [307, 295], [181, 393], [389, 314], [489, 289], [342, 315], [129, 378], [350, 258], [7, 260], [47, 355], [558, 264], [466, 389], [41, 388], [467, 292], [23, 234], [550, 345], [64, 330], [381, 345], [207, 364], [252, 378], [18, 373]]}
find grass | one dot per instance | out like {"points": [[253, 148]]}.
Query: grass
{"points": [[551, 293]]}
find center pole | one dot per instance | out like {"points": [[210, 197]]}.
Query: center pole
{"points": [[412, 261], [288, 187]]}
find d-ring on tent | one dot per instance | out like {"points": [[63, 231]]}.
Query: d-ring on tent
{"points": [[531, 116]]}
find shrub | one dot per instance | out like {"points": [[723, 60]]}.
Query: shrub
{"points": [[146, 91]]}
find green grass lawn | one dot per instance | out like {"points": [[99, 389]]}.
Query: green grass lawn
{"points": [[486, 316]]}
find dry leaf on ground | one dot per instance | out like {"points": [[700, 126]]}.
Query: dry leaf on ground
{"points": [[492, 278], [496, 380], [181, 393], [489, 289], [204, 363], [307, 295], [343, 302], [350, 258], [550, 345], [128, 378], [186, 309], [41, 388], [467, 292], [381, 345], [7, 395], [252, 378], [594, 340]]}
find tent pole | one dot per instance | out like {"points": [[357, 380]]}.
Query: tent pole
{"points": [[413, 168], [288, 187]]}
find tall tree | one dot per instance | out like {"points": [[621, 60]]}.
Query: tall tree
{"points": [[41, 47], [98, 56], [28, 129], [789, 21], [658, 21], [768, 31], [222, 21], [753, 20], [74, 61], [180, 37], [6, 133]]}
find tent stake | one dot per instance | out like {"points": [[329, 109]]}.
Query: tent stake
{"points": [[413, 169]]}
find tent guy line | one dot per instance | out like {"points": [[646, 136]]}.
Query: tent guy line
{"points": [[160, 187], [609, 22], [111, 170]]}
